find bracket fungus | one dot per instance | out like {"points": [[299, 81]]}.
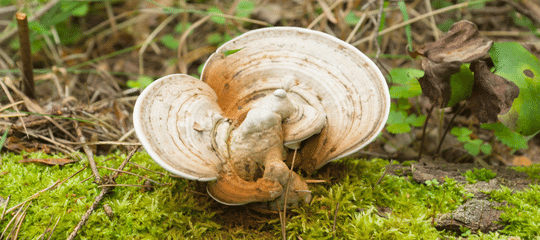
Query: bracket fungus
{"points": [[284, 89]]}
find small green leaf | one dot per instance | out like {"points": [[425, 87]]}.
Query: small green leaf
{"points": [[461, 84], [182, 27], [507, 136], [445, 26], [200, 68], [486, 148], [141, 82], [351, 18], [77, 9], [405, 84], [216, 15], [416, 121], [229, 52], [472, 148], [169, 41], [214, 38], [398, 128], [244, 8]]}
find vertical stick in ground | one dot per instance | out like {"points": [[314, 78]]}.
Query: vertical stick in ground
{"points": [[26, 56]]}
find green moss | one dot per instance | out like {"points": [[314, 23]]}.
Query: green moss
{"points": [[394, 209], [482, 174], [533, 171], [522, 213]]}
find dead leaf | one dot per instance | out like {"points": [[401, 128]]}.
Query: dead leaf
{"points": [[49, 161], [436, 81], [521, 161], [492, 94], [462, 43]]}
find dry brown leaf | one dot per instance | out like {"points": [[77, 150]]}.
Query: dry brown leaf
{"points": [[436, 81], [462, 43], [49, 161], [492, 95], [521, 161]]}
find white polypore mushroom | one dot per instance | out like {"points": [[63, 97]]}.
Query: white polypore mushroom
{"points": [[285, 86]]}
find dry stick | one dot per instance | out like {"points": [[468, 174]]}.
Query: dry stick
{"points": [[432, 20], [55, 184], [439, 11], [149, 40], [18, 221], [376, 29], [283, 230], [287, 190], [52, 231], [356, 27], [384, 174], [127, 185], [134, 174], [10, 222], [110, 14], [89, 153], [181, 64], [34, 107], [424, 131], [102, 194], [26, 56], [5, 206], [16, 235], [10, 98], [335, 218], [334, 5], [448, 128]]}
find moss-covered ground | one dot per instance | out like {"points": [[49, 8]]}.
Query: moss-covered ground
{"points": [[396, 208]]}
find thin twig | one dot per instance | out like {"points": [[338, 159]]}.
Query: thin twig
{"points": [[283, 230], [424, 131], [181, 63], [102, 194], [10, 222], [124, 185], [149, 40], [322, 15], [335, 219], [384, 174], [376, 28], [5, 206], [356, 27], [432, 20], [160, 173], [134, 174], [26, 55], [54, 185], [448, 128], [287, 190], [402, 24], [88, 152], [52, 231]]}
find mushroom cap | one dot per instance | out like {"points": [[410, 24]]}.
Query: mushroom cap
{"points": [[315, 69], [175, 119]]}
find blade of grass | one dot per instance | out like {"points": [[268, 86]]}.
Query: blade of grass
{"points": [[53, 116], [408, 31], [4, 137]]}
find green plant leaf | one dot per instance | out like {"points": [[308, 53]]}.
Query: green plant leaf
{"points": [[141, 82], [461, 84], [513, 62], [486, 148], [229, 52], [216, 15], [351, 18], [405, 83], [169, 41], [507, 136], [244, 8], [182, 27], [396, 122], [76, 8], [214, 38], [416, 121]]}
